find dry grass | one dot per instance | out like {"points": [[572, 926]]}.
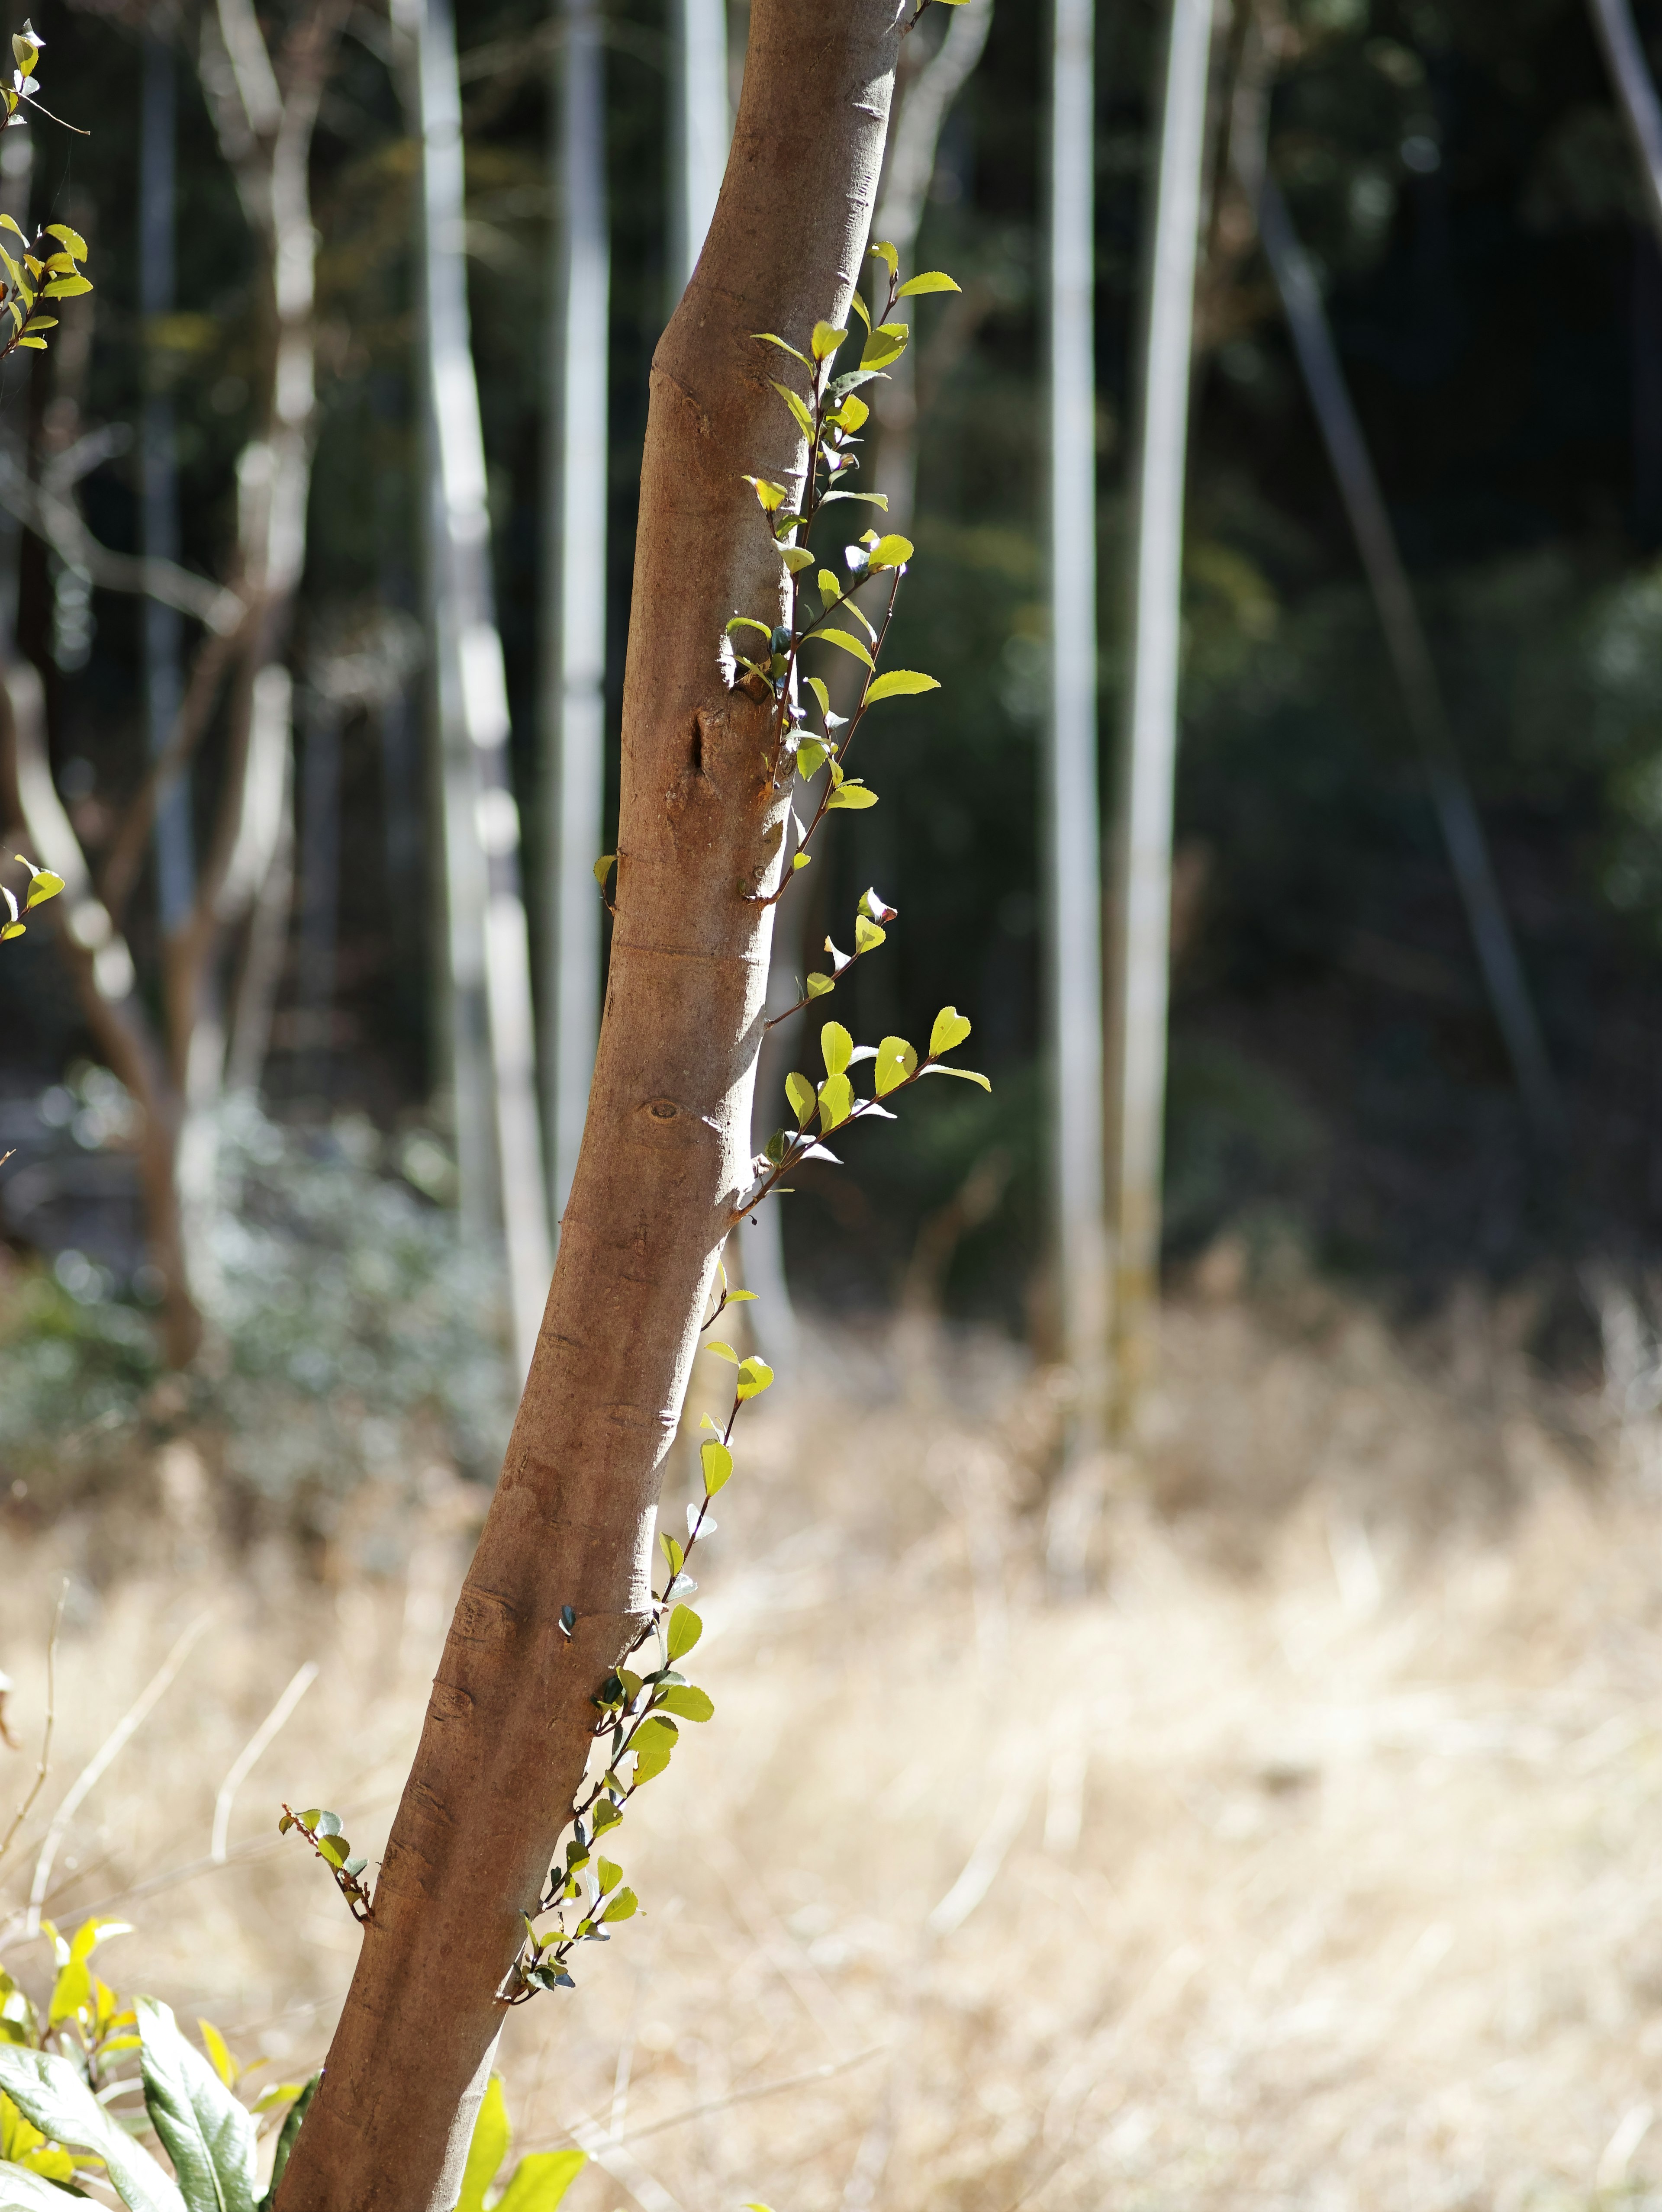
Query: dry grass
{"points": [[1314, 1864]]}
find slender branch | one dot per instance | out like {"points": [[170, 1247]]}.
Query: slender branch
{"points": [[45, 1766], [243, 1764], [56, 522]]}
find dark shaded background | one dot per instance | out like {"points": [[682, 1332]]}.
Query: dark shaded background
{"points": [[1338, 1089]]}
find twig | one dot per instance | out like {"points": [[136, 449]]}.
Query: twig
{"points": [[113, 1744], [59, 524], [825, 2073], [243, 1764], [45, 1766]]}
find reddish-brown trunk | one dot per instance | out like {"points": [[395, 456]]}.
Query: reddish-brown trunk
{"points": [[665, 1155]]}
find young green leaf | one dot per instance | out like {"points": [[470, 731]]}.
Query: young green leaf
{"points": [[890, 552], [885, 253], [951, 1028], [717, 1462], [801, 1093], [826, 339], [673, 1555], [817, 985], [623, 1906], [841, 637], [811, 757], [799, 411], [884, 346], [964, 1074], [900, 683], [767, 337], [684, 1630], [853, 795], [830, 590], [866, 934], [796, 558], [771, 495], [816, 685], [541, 2179], [932, 280], [725, 1351], [754, 1376], [487, 2148], [836, 1102], [895, 1062], [690, 1704], [836, 1048]]}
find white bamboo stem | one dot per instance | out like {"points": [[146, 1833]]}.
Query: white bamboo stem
{"points": [[1642, 111], [1139, 997], [573, 684], [701, 126], [1071, 809], [492, 985]]}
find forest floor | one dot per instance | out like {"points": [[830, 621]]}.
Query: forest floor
{"points": [[1313, 1859]]}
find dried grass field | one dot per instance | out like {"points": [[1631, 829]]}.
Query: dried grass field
{"points": [[1313, 1858]]}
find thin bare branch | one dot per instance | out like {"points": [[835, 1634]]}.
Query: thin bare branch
{"points": [[57, 524], [244, 1763], [45, 1766]]}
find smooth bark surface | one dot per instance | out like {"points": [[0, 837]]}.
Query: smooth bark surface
{"points": [[664, 1157]]}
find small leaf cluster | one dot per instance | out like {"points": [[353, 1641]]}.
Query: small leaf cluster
{"points": [[43, 883], [820, 1108], [50, 265], [322, 1830], [64, 2076], [640, 1711]]}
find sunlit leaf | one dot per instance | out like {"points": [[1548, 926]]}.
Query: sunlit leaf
{"points": [[852, 794], [868, 936], [717, 1462], [688, 1704], [825, 340], [932, 280], [684, 1630], [754, 1376], [848, 644], [899, 683], [951, 1028], [892, 552], [797, 406], [837, 1047], [801, 1093], [895, 1061]]}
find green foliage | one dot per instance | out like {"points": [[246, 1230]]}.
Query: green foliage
{"points": [[322, 1832], [65, 2081], [43, 884], [349, 1323], [49, 265]]}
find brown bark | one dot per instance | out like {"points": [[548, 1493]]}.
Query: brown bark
{"points": [[665, 1155]]}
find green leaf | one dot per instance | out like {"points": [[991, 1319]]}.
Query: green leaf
{"points": [[932, 280], [603, 868], [684, 1630], [716, 1460], [541, 2179], [811, 757], [799, 1091], [487, 2149], [608, 1874], [768, 337], [65, 288], [886, 343], [870, 498], [690, 1704], [722, 1351], [816, 685], [65, 236], [886, 254], [804, 420], [964, 1074], [826, 339], [852, 793], [623, 1906], [772, 495], [830, 590], [841, 637], [796, 558], [853, 414], [334, 1849], [890, 552], [24, 2190], [219, 2053], [817, 985], [951, 1028], [836, 1048], [895, 1061], [868, 935], [205, 2131], [899, 683], [674, 1556], [749, 622], [49, 2093], [836, 1102], [754, 1376]]}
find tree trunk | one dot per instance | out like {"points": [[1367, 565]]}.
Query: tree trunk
{"points": [[1140, 955], [1071, 812], [665, 1154], [573, 621]]}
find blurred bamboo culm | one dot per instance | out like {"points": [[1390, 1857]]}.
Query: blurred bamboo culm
{"points": [[1070, 812], [159, 530], [493, 1030], [574, 669], [1457, 819], [1142, 891], [701, 124], [1635, 93]]}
